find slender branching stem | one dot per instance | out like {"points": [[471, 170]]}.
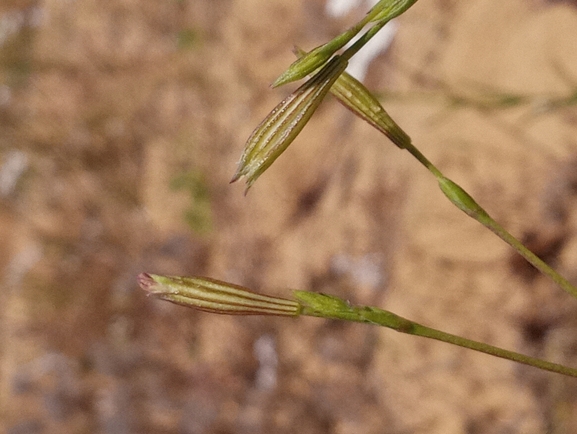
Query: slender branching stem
{"points": [[215, 296]]}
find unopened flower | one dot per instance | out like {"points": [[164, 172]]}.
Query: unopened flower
{"points": [[356, 97], [277, 131], [384, 11], [215, 296]]}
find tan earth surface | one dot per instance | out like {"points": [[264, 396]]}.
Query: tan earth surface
{"points": [[127, 118]]}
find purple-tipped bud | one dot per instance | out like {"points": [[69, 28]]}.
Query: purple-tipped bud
{"points": [[214, 296]]}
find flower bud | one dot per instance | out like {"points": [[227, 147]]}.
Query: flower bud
{"points": [[277, 131], [305, 65], [356, 97], [214, 296]]}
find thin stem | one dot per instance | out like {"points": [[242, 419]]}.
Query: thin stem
{"points": [[360, 43], [537, 262], [377, 117], [476, 212], [465, 202], [423, 160], [427, 332], [320, 305], [215, 296]]}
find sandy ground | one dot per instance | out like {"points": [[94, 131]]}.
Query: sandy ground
{"points": [[123, 121]]}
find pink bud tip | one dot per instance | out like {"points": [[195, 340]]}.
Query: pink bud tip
{"points": [[146, 282]]}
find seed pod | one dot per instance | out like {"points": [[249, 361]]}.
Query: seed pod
{"points": [[277, 131], [214, 296]]}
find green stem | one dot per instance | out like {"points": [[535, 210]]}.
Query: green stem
{"points": [[226, 298], [423, 160], [324, 306], [321, 54], [459, 197], [360, 43], [427, 332], [537, 262]]}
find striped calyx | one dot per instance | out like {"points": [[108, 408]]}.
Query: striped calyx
{"points": [[214, 296], [277, 131]]}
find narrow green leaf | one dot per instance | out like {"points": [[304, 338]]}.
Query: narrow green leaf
{"points": [[321, 303]]}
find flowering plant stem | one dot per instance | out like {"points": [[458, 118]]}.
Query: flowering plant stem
{"points": [[273, 136], [215, 296], [460, 198], [321, 305], [356, 97]]}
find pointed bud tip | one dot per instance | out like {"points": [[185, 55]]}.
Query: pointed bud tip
{"points": [[280, 81], [294, 72], [240, 172], [146, 282]]}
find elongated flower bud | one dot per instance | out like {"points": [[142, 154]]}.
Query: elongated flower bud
{"points": [[356, 97], [277, 131], [214, 296]]}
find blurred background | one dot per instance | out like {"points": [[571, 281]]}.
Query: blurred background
{"points": [[121, 123]]}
